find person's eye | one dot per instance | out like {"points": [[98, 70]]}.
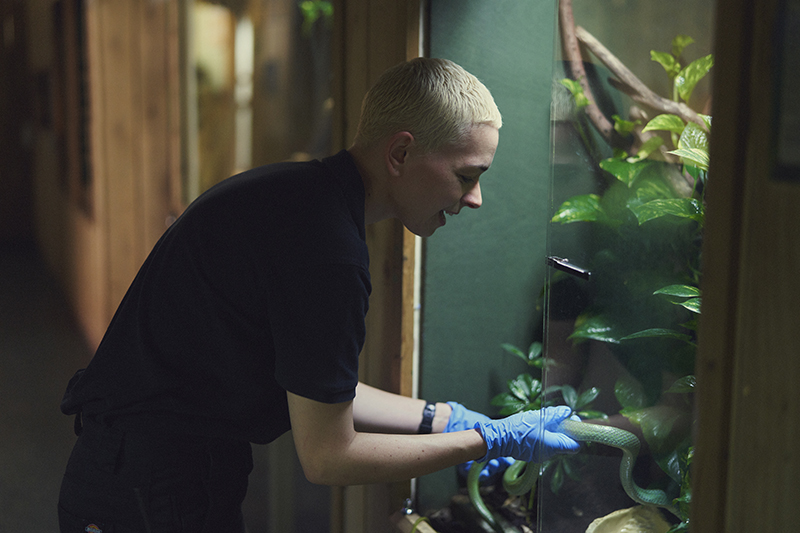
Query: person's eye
{"points": [[465, 179]]}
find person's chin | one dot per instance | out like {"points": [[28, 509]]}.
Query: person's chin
{"points": [[428, 228]]}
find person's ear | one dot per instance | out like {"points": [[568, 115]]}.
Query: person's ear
{"points": [[397, 151]]}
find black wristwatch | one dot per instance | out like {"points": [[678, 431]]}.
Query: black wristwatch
{"points": [[426, 426]]}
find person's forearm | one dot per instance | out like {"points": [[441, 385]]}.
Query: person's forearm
{"points": [[332, 452], [378, 411], [373, 458]]}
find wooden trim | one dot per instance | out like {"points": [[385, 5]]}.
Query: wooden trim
{"points": [[407, 377], [721, 256], [369, 37], [747, 454], [408, 317]]}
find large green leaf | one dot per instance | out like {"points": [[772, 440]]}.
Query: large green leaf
{"points": [[625, 171], [651, 188], [665, 429], [670, 463], [650, 145], [683, 291], [582, 208], [630, 394], [668, 61], [623, 127], [509, 404], [692, 304], [693, 136], [525, 387], [576, 89], [688, 78], [678, 207], [694, 155], [587, 397], [679, 42], [597, 327], [685, 384], [666, 122], [570, 396], [657, 332]]}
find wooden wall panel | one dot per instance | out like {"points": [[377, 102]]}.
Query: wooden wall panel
{"points": [[371, 37], [764, 469], [120, 161], [134, 128], [157, 149], [135, 153], [747, 471], [725, 196]]}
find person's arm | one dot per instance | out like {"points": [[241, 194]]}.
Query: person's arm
{"points": [[378, 411], [332, 452]]}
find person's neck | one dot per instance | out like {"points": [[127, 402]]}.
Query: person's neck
{"points": [[368, 162]]}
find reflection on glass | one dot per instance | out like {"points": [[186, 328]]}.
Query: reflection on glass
{"points": [[630, 162], [257, 90], [257, 86]]}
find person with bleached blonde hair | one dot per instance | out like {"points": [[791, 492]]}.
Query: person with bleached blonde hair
{"points": [[247, 320], [435, 100]]}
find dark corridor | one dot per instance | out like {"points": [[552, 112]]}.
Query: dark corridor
{"points": [[40, 348]]}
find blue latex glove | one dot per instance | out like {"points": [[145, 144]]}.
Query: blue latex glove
{"points": [[462, 419], [519, 435]]}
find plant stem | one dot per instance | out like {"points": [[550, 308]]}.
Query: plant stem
{"points": [[572, 53], [629, 84]]}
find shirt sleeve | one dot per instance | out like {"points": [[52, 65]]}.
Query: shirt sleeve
{"points": [[316, 315]]}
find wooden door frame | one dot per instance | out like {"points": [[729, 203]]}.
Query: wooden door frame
{"points": [[746, 460], [369, 37]]}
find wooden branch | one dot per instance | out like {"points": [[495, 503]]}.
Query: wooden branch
{"points": [[633, 86], [572, 53]]}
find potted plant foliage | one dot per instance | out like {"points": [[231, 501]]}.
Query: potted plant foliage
{"points": [[646, 225]]}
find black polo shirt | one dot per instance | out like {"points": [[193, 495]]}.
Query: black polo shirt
{"points": [[259, 288]]}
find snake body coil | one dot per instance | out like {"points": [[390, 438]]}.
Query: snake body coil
{"points": [[515, 483]]}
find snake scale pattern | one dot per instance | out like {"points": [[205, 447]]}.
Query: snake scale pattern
{"points": [[516, 482]]}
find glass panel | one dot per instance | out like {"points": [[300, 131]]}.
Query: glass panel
{"points": [[484, 271], [257, 90], [628, 210], [258, 86]]}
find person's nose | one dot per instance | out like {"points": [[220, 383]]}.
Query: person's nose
{"points": [[473, 197]]}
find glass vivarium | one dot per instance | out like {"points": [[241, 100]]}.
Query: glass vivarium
{"points": [[630, 127]]}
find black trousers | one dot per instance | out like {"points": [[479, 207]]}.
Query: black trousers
{"points": [[127, 482]]}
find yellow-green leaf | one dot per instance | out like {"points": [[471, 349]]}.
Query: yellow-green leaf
{"points": [[688, 78], [666, 122], [583, 208], [693, 156]]}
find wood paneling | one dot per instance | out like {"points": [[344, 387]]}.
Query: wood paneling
{"points": [[747, 472], [372, 36], [132, 52], [134, 70]]}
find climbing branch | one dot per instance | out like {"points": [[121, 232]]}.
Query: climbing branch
{"points": [[572, 54], [629, 84]]}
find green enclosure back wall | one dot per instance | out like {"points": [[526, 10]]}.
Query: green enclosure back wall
{"points": [[483, 272]]}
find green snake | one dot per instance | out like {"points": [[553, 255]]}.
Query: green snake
{"points": [[516, 484]]}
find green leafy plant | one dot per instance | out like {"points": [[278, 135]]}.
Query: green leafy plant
{"points": [[525, 393], [314, 10], [647, 225]]}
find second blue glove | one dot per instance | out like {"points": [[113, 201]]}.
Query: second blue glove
{"points": [[462, 419], [530, 436]]}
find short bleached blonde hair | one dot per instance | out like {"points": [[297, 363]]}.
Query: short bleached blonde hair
{"points": [[435, 100]]}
